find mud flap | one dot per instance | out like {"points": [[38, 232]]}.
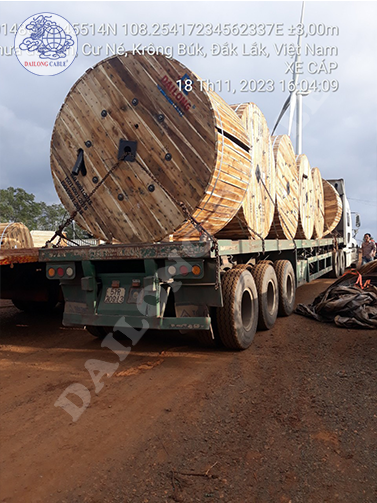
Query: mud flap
{"points": [[189, 311]]}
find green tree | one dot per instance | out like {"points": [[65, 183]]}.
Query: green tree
{"points": [[51, 216], [17, 205]]}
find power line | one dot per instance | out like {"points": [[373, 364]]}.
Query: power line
{"points": [[363, 201]]}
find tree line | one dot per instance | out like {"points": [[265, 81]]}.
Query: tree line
{"points": [[17, 205]]}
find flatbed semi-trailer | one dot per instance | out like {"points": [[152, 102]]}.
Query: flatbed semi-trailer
{"points": [[23, 280], [224, 292], [187, 286]]}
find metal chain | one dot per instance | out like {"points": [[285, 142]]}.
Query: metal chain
{"points": [[325, 225], [333, 233], [275, 206], [59, 231], [192, 220], [251, 231], [215, 243], [197, 225], [279, 215]]}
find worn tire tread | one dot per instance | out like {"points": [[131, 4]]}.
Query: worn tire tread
{"points": [[226, 328], [258, 273], [279, 266], [334, 273], [342, 262], [225, 315]]}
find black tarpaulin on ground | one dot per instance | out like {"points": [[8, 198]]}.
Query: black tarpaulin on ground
{"points": [[350, 302]]}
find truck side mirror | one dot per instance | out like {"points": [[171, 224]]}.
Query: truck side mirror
{"points": [[357, 220]]}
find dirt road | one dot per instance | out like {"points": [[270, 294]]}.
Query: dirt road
{"points": [[292, 419]]}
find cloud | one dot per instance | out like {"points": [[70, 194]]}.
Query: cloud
{"points": [[339, 127], [25, 154]]}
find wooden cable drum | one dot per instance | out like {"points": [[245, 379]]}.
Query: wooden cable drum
{"points": [[285, 221], [40, 238], [182, 146], [306, 200], [15, 235], [319, 204], [333, 207], [255, 216]]}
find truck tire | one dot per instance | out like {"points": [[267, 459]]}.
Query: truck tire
{"points": [[22, 305], [102, 332], [265, 262], [287, 286], [34, 306], [335, 265], [342, 262], [268, 295], [237, 320], [99, 332]]}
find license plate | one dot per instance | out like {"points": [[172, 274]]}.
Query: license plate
{"points": [[115, 295]]}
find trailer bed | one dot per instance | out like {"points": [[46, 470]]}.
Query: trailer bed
{"points": [[193, 249], [19, 256]]}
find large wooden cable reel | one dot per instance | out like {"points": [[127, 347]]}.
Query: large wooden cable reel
{"points": [[285, 221], [333, 207], [306, 198], [181, 146], [255, 216], [15, 235], [319, 204]]}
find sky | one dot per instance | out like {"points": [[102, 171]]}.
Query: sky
{"points": [[339, 127]]}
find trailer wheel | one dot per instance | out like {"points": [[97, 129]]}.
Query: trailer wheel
{"points": [[237, 320], [22, 305], [335, 265], [342, 262], [268, 295], [99, 332], [265, 262], [287, 286], [34, 306]]}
